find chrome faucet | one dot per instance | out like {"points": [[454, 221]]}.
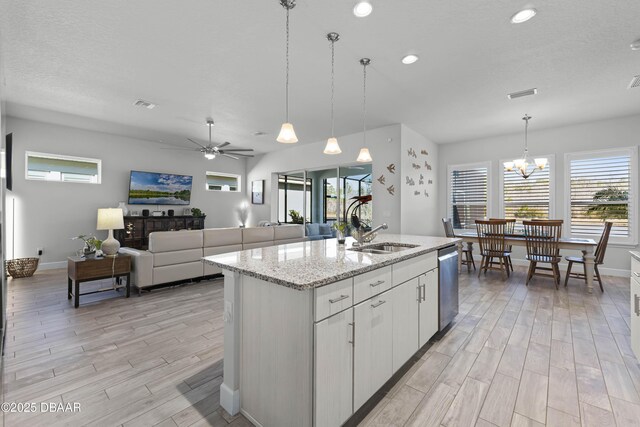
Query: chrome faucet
{"points": [[369, 235]]}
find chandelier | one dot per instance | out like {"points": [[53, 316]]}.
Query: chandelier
{"points": [[525, 166]]}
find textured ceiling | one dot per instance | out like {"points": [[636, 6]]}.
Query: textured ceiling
{"points": [[91, 59]]}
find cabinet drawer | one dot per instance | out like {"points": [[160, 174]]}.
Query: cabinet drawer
{"points": [[333, 298], [635, 269], [371, 283], [407, 270]]}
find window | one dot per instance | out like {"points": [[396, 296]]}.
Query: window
{"points": [[468, 194], [603, 186], [292, 198], [217, 181], [528, 198], [59, 168], [330, 199]]}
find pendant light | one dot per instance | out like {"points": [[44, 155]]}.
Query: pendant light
{"points": [[522, 165], [287, 134], [364, 155], [332, 146]]}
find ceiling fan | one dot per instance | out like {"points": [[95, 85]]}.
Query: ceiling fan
{"points": [[212, 151]]}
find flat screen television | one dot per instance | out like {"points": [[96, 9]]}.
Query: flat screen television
{"points": [[152, 188]]}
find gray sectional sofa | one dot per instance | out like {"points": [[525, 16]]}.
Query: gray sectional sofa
{"points": [[177, 255]]}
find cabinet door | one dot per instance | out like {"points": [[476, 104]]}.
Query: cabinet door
{"points": [[405, 321], [373, 351], [429, 306], [635, 317], [334, 369]]}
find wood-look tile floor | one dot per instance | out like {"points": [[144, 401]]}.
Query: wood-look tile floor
{"points": [[516, 356], [524, 356], [142, 361]]}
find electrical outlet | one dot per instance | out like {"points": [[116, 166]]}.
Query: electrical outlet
{"points": [[39, 251]]}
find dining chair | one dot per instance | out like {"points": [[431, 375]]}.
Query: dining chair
{"points": [[492, 245], [467, 252], [599, 258], [509, 230], [543, 247]]}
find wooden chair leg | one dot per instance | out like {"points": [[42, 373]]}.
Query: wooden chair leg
{"points": [[506, 267], [503, 268], [595, 267], [556, 274], [482, 261], [472, 261], [529, 273], [566, 278]]}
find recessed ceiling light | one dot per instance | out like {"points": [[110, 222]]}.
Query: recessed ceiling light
{"points": [[522, 93], [635, 45], [259, 133], [523, 16], [410, 59], [144, 104], [362, 9]]}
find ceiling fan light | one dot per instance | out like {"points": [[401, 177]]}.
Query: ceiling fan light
{"points": [[210, 156], [364, 156], [508, 166], [541, 163], [362, 9], [287, 135], [332, 147]]}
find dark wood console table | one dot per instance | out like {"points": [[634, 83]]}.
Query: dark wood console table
{"points": [[137, 228], [81, 270]]}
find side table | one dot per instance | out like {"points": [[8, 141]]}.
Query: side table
{"points": [[88, 269]]}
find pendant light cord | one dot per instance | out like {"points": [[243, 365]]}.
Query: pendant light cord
{"points": [[526, 128], [332, 85], [364, 105], [287, 73]]}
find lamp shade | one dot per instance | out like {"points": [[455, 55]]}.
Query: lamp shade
{"points": [[287, 134], [110, 219], [364, 156], [332, 147]]}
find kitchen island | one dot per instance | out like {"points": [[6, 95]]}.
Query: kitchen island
{"points": [[314, 329]]}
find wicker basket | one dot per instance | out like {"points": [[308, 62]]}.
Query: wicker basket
{"points": [[22, 267]]}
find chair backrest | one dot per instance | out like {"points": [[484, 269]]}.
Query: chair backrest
{"points": [[602, 244], [542, 237], [448, 227], [491, 236], [510, 226]]}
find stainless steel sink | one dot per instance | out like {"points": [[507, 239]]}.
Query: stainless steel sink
{"points": [[384, 248]]}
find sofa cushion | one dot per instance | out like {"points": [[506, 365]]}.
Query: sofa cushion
{"points": [[177, 257], [313, 229], [173, 273], [283, 232], [325, 230], [222, 237], [166, 241], [257, 234]]}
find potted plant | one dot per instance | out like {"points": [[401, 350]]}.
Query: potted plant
{"points": [[341, 231], [196, 212], [91, 244], [296, 218]]}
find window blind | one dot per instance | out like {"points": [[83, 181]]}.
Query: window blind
{"points": [[468, 196], [601, 190], [49, 167], [222, 182], [526, 198]]}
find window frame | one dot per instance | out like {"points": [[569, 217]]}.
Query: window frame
{"points": [[52, 156], [450, 168], [230, 175], [632, 152], [551, 160]]}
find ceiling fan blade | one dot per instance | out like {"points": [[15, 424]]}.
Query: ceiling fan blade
{"points": [[229, 155], [181, 149], [235, 154], [239, 149], [197, 143], [223, 144]]}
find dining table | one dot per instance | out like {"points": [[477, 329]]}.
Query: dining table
{"points": [[586, 246]]}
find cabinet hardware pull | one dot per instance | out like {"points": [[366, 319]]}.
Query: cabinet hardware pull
{"points": [[340, 298], [424, 292], [635, 273], [636, 303], [353, 333], [419, 293], [378, 304], [378, 283]]}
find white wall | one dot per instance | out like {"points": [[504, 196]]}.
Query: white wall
{"points": [[419, 205], [614, 133], [48, 214], [384, 145]]}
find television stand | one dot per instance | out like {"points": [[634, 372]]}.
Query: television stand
{"points": [[137, 228]]}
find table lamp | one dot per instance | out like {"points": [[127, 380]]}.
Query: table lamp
{"points": [[110, 219]]}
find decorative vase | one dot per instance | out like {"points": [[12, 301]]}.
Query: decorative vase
{"points": [[123, 206], [340, 237]]}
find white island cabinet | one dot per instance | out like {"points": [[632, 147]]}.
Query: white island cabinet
{"points": [[313, 330]]}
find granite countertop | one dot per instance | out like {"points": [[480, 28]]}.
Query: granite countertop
{"points": [[312, 264], [636, 255]]}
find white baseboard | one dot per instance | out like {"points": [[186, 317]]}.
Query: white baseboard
{"points": [[563, 267], [52, 265]]}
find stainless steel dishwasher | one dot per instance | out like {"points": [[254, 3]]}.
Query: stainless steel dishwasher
{"points": [[447, 285]]}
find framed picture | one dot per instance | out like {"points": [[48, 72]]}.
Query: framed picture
{"points": [[257, 192]]}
